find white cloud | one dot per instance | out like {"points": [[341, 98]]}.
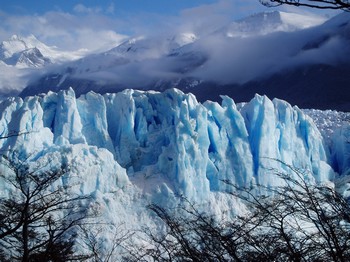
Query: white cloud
{"points": [[87, 27], [110, 9], [80, 8], [95, 29], [67, 31], [227, 60], [206, 18], [13, 80]]}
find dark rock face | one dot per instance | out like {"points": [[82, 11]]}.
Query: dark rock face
{"points": [[317, 86], [317, 74]]}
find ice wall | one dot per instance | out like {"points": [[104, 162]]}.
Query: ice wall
{"points": [[167, 143]]}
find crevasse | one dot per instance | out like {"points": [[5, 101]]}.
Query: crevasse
{"points": [[166, 142]]}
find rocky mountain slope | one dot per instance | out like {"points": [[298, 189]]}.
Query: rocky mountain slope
{"points": [[261, 54]]}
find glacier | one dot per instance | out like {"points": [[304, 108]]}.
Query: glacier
{"points": [[132, 148], [179, 144]]}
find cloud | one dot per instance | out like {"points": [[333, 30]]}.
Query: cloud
{"points": [[206, 18], [214, 56], [110, 9], [218, 58], [80, 8], [86, 27], [12, 80], [239, 60], [201, 19], [68, 31]]}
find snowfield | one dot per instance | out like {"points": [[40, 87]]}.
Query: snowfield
{"points": [[328, 121]]}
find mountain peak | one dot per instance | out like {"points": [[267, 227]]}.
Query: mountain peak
{"points": [[32, 57], [32, 50], [269, 22], [14, 38], [11, 46]]}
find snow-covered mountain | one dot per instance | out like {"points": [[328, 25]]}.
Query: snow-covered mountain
{"points": [[31, 57], [30, 52], [21, 58], [128, 149], [21, 53], [270, 22], [317, 77], [143, 47], [266, 47]]}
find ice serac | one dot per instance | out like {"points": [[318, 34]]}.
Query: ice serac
{"points": [[167, 143], [282, 136], [162, 136], [341, 149], [230, 156]]}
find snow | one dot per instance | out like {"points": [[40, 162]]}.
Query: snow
{"points": [[270, 22], [16, 45], [22, 58], [133, 148], [302, 21], [335, 129], [328, 121], [185, 38], [237, 53], [188, 146]]}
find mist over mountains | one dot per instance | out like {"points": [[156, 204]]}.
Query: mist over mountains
{"points": [[280, 54], [126, 148]]}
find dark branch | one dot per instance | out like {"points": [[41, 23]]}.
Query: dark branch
{"points": [[320, 4]]}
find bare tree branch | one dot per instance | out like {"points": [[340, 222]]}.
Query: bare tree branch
{"points": [[320, 4], [38, 218]]}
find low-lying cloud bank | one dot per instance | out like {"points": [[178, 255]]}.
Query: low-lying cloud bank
{"points": [[216, 56], [200, 43]]}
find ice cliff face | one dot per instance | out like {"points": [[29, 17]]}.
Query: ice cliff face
{"points": [[164, 143], [132, 148]]}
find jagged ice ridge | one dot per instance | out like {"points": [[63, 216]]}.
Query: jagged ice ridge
{"points": [[134, 147], [192, 146]]}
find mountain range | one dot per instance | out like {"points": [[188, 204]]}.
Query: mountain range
{"points": [[125, 149], [298, 58], [22, 58]]}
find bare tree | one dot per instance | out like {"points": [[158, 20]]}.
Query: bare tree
{"points": [[100, 246], [38, 215], [298, 221], [189, 235], [320, 4], [305, 222]]}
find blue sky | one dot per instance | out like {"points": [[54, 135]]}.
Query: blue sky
{"points": [[121, 7], [96, 24]]}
